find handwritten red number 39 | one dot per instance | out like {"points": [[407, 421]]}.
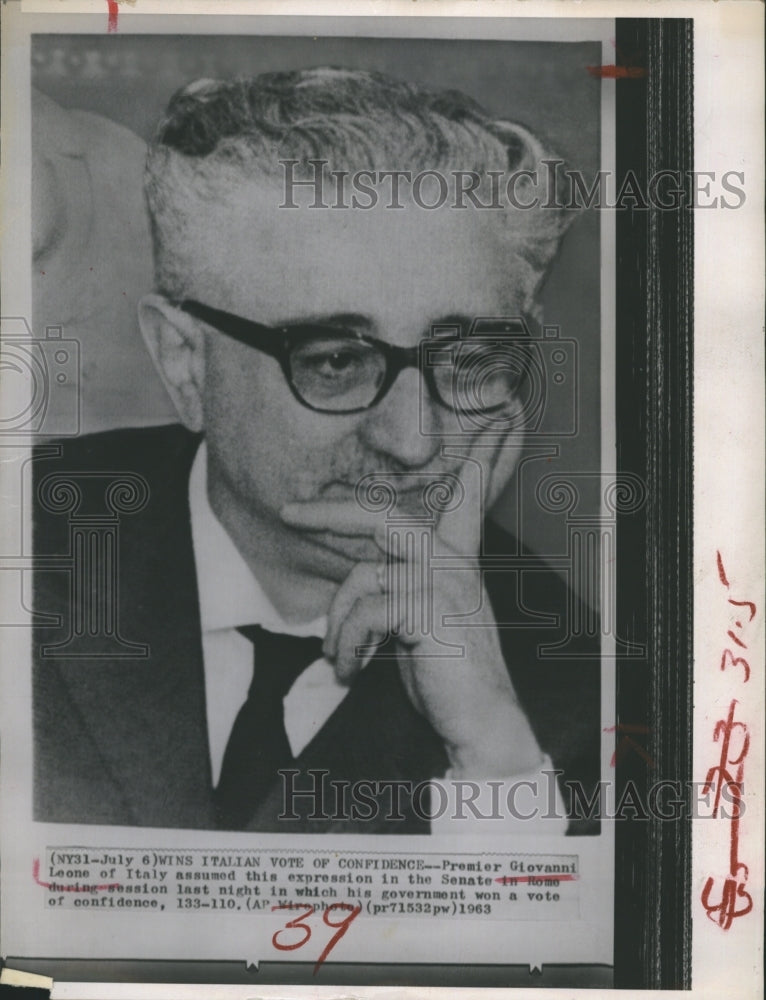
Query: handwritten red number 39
{"points": [[284, 939]]}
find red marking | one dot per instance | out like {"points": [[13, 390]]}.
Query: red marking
{"points": [[343, 926], [723, 733], [293, 925], [617, 72], [298, 924], [725, 911], [735, 639], [721, 570], [734, 900], [751, 609], [744, 604], [724, 580], [735, 661], [68, 888], [516, 879], [628, 743], [114, 13]]}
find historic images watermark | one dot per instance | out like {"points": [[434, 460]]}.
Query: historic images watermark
{"points": [[515, 391], [526, 800], [41, 405], [554, 187], [41, 382]]}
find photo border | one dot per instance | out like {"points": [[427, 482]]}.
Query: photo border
{"points": [[655, 340], [654, 275]]}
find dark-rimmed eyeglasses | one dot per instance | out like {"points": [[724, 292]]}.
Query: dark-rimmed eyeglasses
{"points": [[333, 369]]}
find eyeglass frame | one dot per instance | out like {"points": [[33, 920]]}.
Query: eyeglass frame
{"points": [[396, 359]]}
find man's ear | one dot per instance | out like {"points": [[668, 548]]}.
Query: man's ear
{"points": [[177, 347]]}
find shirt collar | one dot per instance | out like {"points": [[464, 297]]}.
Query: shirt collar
{"points": [[229, 593]]}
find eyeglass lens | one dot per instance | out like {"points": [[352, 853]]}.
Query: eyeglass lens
{"points": [[341, 373], [337, 372]]}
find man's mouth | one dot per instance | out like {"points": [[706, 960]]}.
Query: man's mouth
{"points": [[406, 499], [353, 548]]}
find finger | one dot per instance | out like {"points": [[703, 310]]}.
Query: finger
{"points": [[407, 585], [366, 624], [402, 544], [343, 517], [361, 581]]}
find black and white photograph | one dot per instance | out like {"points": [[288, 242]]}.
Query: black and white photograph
{"points": [[347, 434], [324, 391]]}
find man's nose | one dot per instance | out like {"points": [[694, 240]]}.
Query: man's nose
{"points": [[405, 423]]}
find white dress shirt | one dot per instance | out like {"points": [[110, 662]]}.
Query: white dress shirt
{"points": [[229, 597]]}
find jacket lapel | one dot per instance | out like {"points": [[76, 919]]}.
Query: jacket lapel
{"points": [[146, 748]]}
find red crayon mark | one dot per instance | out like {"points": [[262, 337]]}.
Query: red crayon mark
{"points": [[723, 733], [744, 604], [738, 623], [726, 910], [114, 13], [517, 879], [628, 64], [751, 607], [298, 924], [628, 743], [295, 924], [617, 72], [728, 776], [68, 888], [721, 570], [735, 639], [735, 661]]}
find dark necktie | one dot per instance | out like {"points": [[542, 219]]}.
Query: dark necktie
{"points": [[258, 746]]}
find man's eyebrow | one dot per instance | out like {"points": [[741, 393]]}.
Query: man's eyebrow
{"points": [[358, 321], [352, 321]]}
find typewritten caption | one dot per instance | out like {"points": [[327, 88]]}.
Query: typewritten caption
{"points": [[428, 884]]}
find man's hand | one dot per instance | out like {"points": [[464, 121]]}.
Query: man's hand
{"points": [[468, 699]]}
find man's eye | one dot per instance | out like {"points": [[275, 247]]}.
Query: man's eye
{"points": [[336, 363], [332, 363]]}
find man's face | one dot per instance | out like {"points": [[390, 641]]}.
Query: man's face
{"points": [[389, 274]]}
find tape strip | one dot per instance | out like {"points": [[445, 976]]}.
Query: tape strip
{"points": [[26, 980]]}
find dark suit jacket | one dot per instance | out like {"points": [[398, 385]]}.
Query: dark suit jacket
{"points": [[119, 699]]}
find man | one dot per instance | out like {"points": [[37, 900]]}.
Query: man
{"points": [[288, 339]]}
